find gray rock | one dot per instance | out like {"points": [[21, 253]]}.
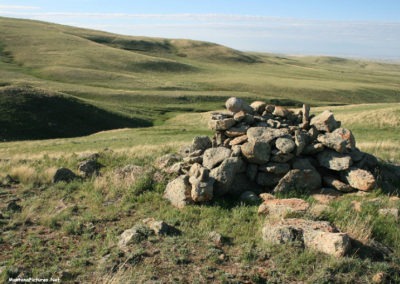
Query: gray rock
{"points": [[251, 171], [216, 238], [64, 175], [333, 160], [299, 180], [178, 192], [238, 140], [279, 157], [333, 141], [275, 168], [239, 116], [312, 133], [214, 156], [258, 106], [281, 111], [306, 114], [89, 168], [159, 227], [285, 145], [202, 188], [238, 130], [256, 152], [301, 141], [225, 173], [236, 104], [347, 136], [282, 207], [200, 143], [193, 160], [221, 124], [325, 122], [135, 235], [336, 184], [265, 134], [359, 179]]}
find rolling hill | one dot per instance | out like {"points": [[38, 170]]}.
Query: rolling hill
{"points": [[147, 80]]}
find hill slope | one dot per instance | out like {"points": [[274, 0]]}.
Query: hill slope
{"points": [[152, 79]]}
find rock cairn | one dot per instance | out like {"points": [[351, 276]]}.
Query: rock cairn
{"points": [[260, 148]]}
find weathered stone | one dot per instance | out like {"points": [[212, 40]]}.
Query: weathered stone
{"points": [[200, 143], [265, 134], [336, 184], [238, 140], [270, 108], [216, 238], [279, 157], [236, 104], [202, 189], [258, 106], [301, 141], [275, 168], [89, 168], [236, 131], [306, 114], [249, 197], [347, 136], [299, 180], [283, 207], [359, 179], [178, 192], [64, 175], [214, 156], [316, 235], [239, 116], [266, 196], [312, 133], [193, 160], [268, 180], [285, 145], [134, 235], [333, 160], [160, 228], [281, 111], [221, 124], [176, 168], [313, 149], [393, 212], [325, 122], [256, 152], [333, 141], [224, 174], [196, 153]]}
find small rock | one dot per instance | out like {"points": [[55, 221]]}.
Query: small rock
{"points": [[236, 151], [236, 131], [379, 277], [336, 244], [334, 160], [238, 140], [134, 235], [325, 122], [282, 207], [281, 111], [216, 238], [214, 156], [201, 143], [178, 192], [285, 145], [89, 168], [301, 141], [359, 179], [239, 116], [258, 106], [225, 173], [333, 141], [64, 175], [306, 114], [265, 134], [159, 227], [336, 184], [266, 196], [166, 161], [221, 124], [236, 104], [394, 212]]}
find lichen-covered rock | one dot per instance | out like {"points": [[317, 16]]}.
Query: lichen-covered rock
{"points": [[178, 191], [214, 156], [234, 105], [265, 134], [359, 179], [134, 235], [299, 180], [256, 152], [200, 143], [225, 173], [202, 184], [221, 124], [325, 122], [282, 207], [334, 161], [285, 145], [301, 141]]}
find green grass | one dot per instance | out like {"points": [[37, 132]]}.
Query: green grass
{"points": [[152, 79]]}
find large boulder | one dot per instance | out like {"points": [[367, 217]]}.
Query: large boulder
{"points": [[299, 180], [334, 161], [214, 156], [178, 192], [325, 122], [359, 179]]}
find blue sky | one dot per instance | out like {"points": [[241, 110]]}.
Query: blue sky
{"points": [[349, 28]]}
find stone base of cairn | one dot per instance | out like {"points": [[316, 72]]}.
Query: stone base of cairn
{"points": [[260, 148]]}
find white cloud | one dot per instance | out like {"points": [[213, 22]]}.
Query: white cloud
{"points": [[17, 7]]}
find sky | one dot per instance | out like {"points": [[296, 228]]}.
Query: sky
{"points": [[348, 28]]}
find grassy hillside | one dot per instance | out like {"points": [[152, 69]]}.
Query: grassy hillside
{"points": [[153, 79]]}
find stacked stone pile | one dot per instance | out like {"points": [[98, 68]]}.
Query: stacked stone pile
{"points": [[265, 148]]}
